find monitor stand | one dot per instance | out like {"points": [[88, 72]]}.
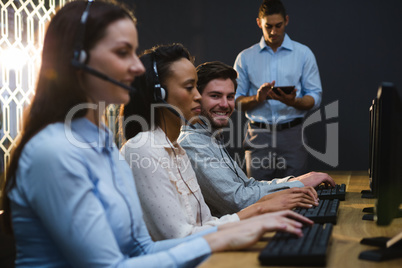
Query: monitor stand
{"points": [[367, 194], [389, 248], [370, 215], [368, 210]]}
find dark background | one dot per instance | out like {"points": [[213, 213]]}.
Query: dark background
{"points": [[357, 44]]}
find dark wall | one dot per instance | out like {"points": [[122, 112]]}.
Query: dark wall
{"points": [[356, 43]]}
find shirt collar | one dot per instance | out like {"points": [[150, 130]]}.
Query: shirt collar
{"points": [[159, 138], [286, 44], [87, 135]]}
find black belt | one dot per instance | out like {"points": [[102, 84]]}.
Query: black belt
{"points": [[278, 127]]}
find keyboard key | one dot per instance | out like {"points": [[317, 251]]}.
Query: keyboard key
{"points": [[337, 192], [325, 212]]}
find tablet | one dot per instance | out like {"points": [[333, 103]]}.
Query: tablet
{"points": [[285, 89]]}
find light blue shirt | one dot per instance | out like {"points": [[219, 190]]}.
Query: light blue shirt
{"points": [[75, 205], [292, 64], [224, 185]]}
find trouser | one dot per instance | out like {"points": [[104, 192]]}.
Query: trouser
{"points": [[273, 154]]}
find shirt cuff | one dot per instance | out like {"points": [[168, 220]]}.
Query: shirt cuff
{"points": [[192, 253], [317, 99], [204, 232], [288, 183]]}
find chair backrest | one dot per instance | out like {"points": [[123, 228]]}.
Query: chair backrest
{"points": [[7, 249]]}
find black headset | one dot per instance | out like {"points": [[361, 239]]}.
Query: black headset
{"points": [[80, 56], [160, 95]]}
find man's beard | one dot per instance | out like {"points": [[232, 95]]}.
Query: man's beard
{"points": [[213, 123]]}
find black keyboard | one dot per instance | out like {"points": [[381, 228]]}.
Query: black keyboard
{"points": [[337, 192], [325, 212], [289, 250]]}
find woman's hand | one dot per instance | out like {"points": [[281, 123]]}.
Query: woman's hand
{"points": [[245, 233]]}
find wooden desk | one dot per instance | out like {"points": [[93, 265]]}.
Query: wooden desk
{"points": [[345, 246]]}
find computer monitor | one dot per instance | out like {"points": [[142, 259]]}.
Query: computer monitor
{"points": [[386, 153]]}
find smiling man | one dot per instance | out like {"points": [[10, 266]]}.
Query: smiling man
{"points": [[225, 187], [275, 127]]}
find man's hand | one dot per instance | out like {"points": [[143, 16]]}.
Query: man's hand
{"points": [[304, 103], [305, 197], [314, 179], [288, 99], [262, 92], [246, 103]]}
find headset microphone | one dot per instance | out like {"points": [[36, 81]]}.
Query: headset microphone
{"points": [[77, 64]]}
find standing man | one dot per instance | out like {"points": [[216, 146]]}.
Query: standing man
{"points": [[273, 143], [225, 187]]}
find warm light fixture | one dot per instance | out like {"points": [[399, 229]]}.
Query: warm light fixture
{"points": [[13, 58], [22, 29]]}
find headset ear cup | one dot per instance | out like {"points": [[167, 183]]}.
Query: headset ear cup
{"points": [[83, 56], [163, 93]]}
